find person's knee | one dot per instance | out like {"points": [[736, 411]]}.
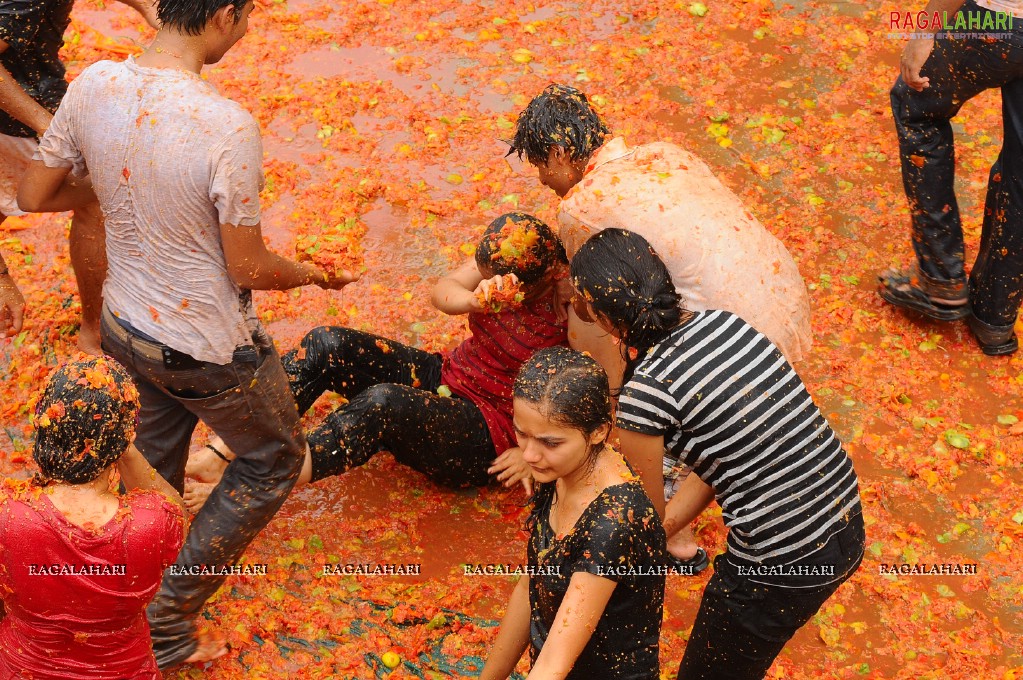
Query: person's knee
{"points": [[382, 398]]}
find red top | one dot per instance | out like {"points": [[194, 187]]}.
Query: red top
{"points": [[70, 626], [483, 368]]}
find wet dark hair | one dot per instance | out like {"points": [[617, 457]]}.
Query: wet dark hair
{"points": [[519, 244], [191, 16], [571, 389], [84, 419], [624, 280], [559, 116]]}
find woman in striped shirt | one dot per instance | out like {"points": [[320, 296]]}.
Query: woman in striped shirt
{"points": [[707, 391]]}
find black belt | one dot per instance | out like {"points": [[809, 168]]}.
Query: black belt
{"points": [[157, 351]]}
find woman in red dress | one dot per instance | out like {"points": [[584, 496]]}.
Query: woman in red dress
{"points": [[78, 561]]}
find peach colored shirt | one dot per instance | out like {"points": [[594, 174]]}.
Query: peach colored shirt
{"points": [[719, 255]]}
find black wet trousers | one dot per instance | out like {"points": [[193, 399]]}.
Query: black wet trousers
{"points": [[959, 69], [393, 406]]}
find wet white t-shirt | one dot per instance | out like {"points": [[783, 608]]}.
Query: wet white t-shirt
{"points": [[718, 254], [1013, 7], [171, 160]]}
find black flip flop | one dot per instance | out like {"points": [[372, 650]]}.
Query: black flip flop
{"points": [[899, 291], [692, 566]]}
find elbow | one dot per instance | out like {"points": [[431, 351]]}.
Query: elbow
{"points": [[243, 276], [28, 201]]}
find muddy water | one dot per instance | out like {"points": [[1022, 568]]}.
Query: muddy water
{"points": [[863, 230]]}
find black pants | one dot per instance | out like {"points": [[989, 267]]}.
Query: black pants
{"points": [[393, 406], [743, 625], [959, 69]]}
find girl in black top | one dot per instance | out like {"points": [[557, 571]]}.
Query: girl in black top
{"points": [[591, 606], [707, 391]]}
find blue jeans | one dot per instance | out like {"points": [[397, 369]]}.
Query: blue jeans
{"points": [[249, 405]]}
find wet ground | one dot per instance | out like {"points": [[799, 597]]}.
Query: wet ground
{"points": [[392, 111]]}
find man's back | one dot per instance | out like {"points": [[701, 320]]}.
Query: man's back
{"points": [[170, 160], [719, 255]]}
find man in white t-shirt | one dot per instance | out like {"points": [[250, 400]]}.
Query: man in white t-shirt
{"points": [[973, 46], [178, 169]]}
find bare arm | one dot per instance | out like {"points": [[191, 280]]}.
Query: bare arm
{"points": [[147, 8], [577, 618], [16, 102], [918, 49], [645, 454], [252, 266], [137, 473], [45, 189], [512, 638], [454, 294], [692, 498]]}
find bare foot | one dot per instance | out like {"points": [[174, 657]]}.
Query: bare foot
{"points": [[210, 647], [206, 466], [88, 340], [196, 494]]}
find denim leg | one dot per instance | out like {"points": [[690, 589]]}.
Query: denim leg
{"points": [[996, 282], [348, 362], [445, 438], [958, 71]]}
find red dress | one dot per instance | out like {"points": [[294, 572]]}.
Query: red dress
{"points": [[64, 624]]}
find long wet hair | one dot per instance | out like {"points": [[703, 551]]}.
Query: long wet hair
{"points": [[570, 389], [626, 282], [559, 116], [520, 244], [84, 419]]}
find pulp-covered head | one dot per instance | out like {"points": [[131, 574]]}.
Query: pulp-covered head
{"points": [[519, 244], [85, 419], [558, 116]]}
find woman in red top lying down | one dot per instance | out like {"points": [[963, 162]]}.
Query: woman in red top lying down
{"points": [[449, 417]]}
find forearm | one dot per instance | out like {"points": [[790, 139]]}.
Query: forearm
{"points": [[137, 473], [512, 638], [692, 498], [274, 272], [16, 102], [452, 298]]}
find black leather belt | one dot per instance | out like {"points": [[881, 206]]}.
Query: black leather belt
{"points": [[157, 351]]}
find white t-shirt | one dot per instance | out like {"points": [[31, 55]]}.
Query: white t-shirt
{"points": [[1013, 7], [718, 254], [171, 160]]}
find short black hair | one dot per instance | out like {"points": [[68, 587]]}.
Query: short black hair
{"points": [[520, 244], [558, 116], [191, 16]]}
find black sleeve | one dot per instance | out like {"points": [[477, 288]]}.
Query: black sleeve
{"points": [[619, 537], [20, 20]]}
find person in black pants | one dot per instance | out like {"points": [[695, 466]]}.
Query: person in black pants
{"points": [[938, 76]]}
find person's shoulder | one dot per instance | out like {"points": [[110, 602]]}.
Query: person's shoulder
{"points": [[151, 502]]}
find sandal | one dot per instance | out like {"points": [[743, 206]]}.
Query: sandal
{"points": [[689, 567], [905, 292], [994, 341]]}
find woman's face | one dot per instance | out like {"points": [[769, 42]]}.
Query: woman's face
{"points": [[551, 449]]}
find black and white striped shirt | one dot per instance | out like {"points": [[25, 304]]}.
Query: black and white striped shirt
{"points": [[731, 407]]}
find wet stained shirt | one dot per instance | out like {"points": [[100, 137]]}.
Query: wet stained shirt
{"points": [[171, 161], [719, 255], [731, 407], [619, 537], [91, 625], [34, 33]]}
